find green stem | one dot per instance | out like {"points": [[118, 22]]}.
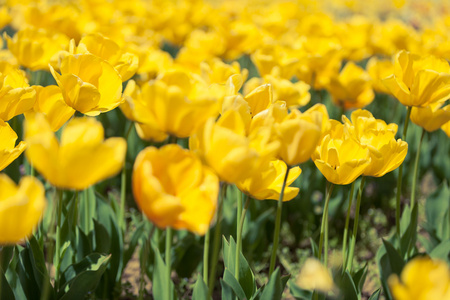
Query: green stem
{"points": [[239, 210], [276, 235], [324, 221], [206, 255], [123, 186], [355, 225], [399, 179], [147, 246], [239, 237], [216, 241], [87, 212], [58, 236], [416, 169], [168, 261], [347, 222]]}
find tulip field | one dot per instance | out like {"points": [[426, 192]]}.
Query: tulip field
{"points": [[223, 149]]}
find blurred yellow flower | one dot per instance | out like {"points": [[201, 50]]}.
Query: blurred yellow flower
{"points": [[352, 88], [89, 84], [21, 208], [125, 63], [446, 128], [339, 158], [8, 149], [419, 81], [315, 276], [267, 181], [36, 48], [81, 159], [16, 95], [50, 102], [432, 117], [386, 153], [174, 189], [379, 69], [422, 279]]}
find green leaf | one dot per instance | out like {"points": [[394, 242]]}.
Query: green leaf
{"points": [[227, 291], [275, 287], [389, 262], [5, 291], [299, 293], [409, 235], [159, 279], [229, 278], [442, 251], [26, 276], [138, 233], [200, 290], [37, 260], [7, 253], [359, 278], [436, 208], [314, 248], [395, 260], [246, 277], [347, 287], [102, 239], [84, 277], [375, 295]]}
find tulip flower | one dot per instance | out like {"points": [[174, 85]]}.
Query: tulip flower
{"points": [[432, 117], [379, 69], [315, 276], [21, 208], [267, 182], [352, 88], [8, 151], [81, 159], [36, 48], [50, 102], [423, 279], [174, 189], [419, 81], [89, 84], [446, 128], [16, 95], [386, 153], [125, 63]]}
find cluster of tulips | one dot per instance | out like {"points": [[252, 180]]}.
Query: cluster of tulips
{"points": [[209, 126]]}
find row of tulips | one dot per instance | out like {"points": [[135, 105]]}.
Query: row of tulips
{"points": [[248, 134]]}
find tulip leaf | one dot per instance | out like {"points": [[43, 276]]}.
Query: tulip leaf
{"points": [[442, 251], [137, 235], [102, 239], [187, 255], [275, 287], [409, 232], [389, 262], [83, 277], [227, 291], [359, 278], [39, 268], [200, 291], [347, 287], [314, 248], [299, 293], [6, 291], [234, 284], [437, 213], [159, 279], [375, 295], [246, 277], [27, 280], [7, 253]]}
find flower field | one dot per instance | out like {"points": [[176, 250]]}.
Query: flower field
{"points": [[223, 149]]}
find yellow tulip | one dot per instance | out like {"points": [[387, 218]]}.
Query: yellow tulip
{"points": [[386, 153], [21, 208], [446, 128], [379, 69], [162, 106], [432, 117], [299, 134], [267, 181], [225, 147], [351, 88], [419, 81], [50, 102], [315, 276], [8, 151], [81, 159], [339, 158], [422, 279], [35, 48], [16, 95], [125, 63], [89, 84], [174, 189]]}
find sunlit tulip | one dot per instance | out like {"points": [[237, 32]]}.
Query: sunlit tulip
{"points": [[419, 81], [315, 276], [351, 88], [339, 158], [124, 62], [89, 84], [174, 189], [216, 71], [8, 149], [422, 279], [267, 181], [379, 69], [16, 96], [386, 152], [50, 102], [82, 157], [35, 48], [432, 117], [446, 128], [21, 208]]}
